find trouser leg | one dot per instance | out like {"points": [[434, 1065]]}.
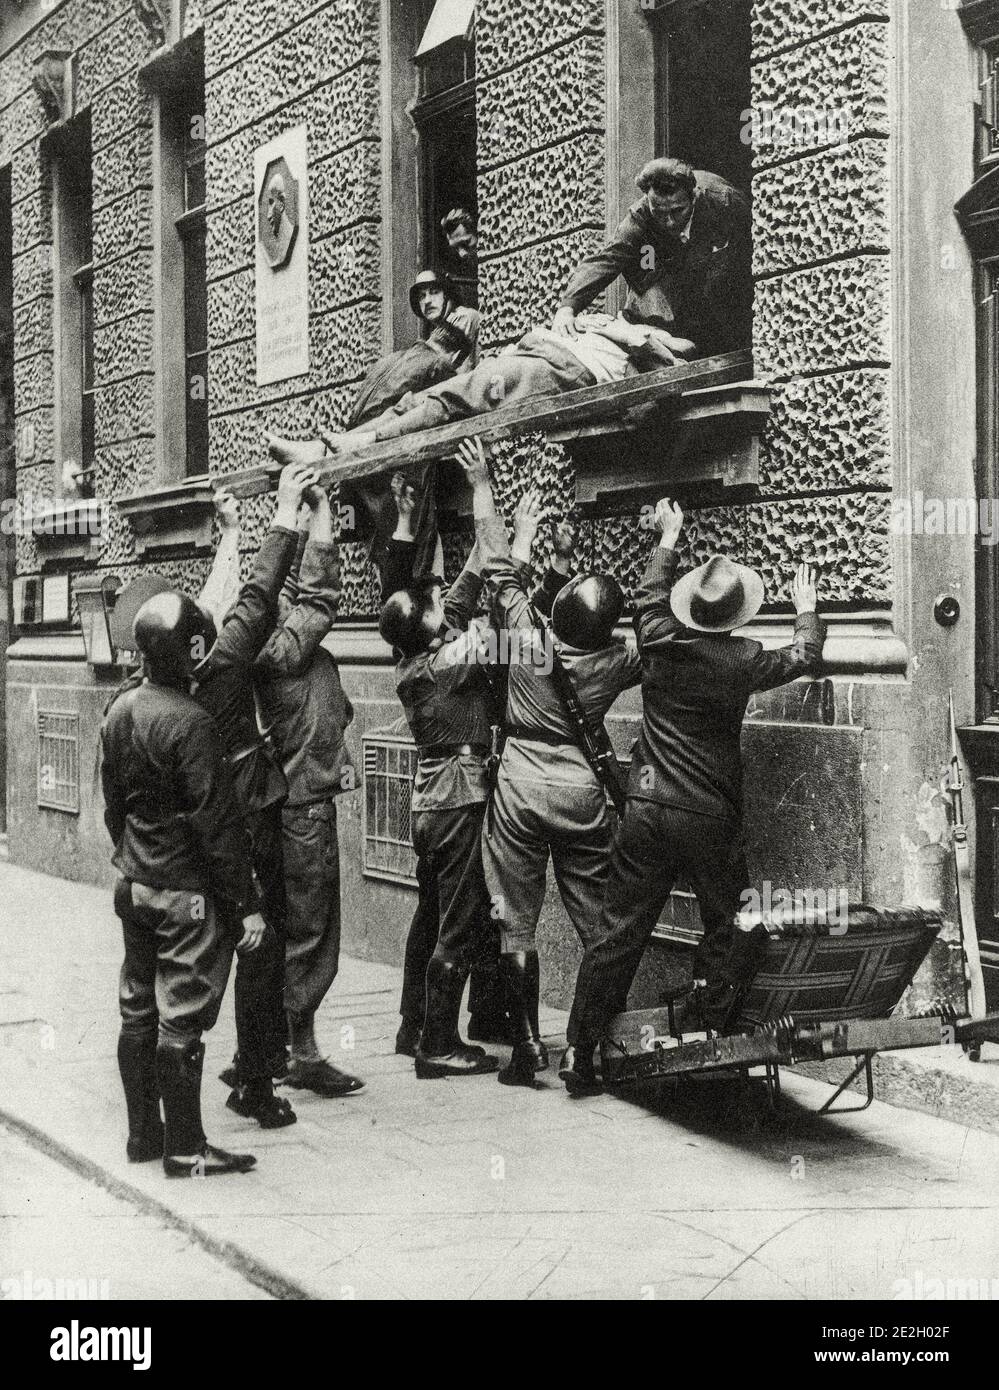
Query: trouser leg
{"points": [[643, 869], [453, 839], [259, 995], [581, 852], [716, 867], [137, 1039], [422, 937], [312, 882], [515, 861]]}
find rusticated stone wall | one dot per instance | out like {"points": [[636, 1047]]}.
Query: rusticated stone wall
{"points": [[822, 330]]}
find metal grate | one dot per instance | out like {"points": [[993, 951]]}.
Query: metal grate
{"points": [[389, 768], [59, 761]]}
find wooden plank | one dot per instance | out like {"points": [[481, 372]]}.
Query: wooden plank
{"points": [[549, 414]]}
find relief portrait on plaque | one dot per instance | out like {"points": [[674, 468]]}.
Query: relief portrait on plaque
{"points": [[277, 214]]}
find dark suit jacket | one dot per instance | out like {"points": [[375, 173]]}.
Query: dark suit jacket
{"points": [[696, 687], [707, 280]]}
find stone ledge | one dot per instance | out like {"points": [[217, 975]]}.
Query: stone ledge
{"points": [[68, 532], [175, 518]]}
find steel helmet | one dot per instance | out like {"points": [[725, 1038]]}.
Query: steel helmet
{"points": [[173, 634], [587, 610], [428, 279]]}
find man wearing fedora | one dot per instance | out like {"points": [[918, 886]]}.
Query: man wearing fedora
{"points": [[684, 808]]}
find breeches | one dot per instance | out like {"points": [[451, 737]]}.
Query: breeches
{"points": [[177, 960], [531, 821]]}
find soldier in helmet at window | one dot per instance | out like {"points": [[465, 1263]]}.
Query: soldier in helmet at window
{"points": [[449, 347]]}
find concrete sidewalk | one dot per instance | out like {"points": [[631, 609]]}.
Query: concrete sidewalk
{"points": [[468, 1189]]}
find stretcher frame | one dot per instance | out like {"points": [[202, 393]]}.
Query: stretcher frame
{"points": [[647, 1045]]}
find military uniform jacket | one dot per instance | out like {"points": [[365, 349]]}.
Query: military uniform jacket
{"points": [[302, 700], [447, 699], [696, 687], [533, 702], [170, 804]]}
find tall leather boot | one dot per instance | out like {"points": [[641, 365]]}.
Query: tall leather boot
{"points": [[137, 1065], [441, 1051], [186, 1151], [521, 975]]}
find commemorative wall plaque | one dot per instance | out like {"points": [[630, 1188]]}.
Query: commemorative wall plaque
{"points": [[281, 211]]}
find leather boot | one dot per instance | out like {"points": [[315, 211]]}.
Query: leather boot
{"points": [[407, 1040], [137, 1065], [441, 1051], [186, 1151], [576, 1069], [521, 974]]}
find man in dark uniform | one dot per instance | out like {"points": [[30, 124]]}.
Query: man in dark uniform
{"points": [[548, 802], [442, 682], [684, 251], [224, 687], [306, 712], [186, 881], [684, 811]]}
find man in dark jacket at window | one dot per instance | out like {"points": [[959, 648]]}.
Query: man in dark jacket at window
{"points": [[684, 809], [306, 712], [684, 251], [186, 881]]}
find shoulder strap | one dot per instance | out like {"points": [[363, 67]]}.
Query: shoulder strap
{"points": [[591, 734]]}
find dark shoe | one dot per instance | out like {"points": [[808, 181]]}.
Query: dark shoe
{"points": [[137, 1065], [490, 1028], [407, 1040], [462, 1061], [576, 1070], [279, 1069], [208, 1162], [321, 1077], [527, 1060], [257, 1101], [230, 1077]]}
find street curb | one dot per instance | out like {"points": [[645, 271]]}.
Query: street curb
{"points": [[927, 1089], [254, 1271]]}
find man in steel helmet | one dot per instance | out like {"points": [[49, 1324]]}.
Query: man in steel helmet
{"points": [[183, 854], [450, 345], [548, 802]]}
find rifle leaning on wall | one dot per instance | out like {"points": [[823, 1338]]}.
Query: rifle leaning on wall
{"points": [[962, 868]]}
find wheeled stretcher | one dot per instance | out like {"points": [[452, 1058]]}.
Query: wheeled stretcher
{"points": [[826, 988]]}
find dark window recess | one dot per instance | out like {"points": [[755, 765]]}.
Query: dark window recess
{"points": [[190, 132], [703, 89], [76, 258], [445, 120]]}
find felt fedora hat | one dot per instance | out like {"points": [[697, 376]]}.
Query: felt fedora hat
{"points": [[718, 596]]}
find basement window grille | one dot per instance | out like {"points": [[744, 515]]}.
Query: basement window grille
{"points": [[389, 768], [59, 761]]}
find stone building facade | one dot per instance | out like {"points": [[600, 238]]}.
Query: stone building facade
{"points": [[864, 348]]}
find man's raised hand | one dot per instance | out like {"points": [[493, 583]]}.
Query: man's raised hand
{"points": [[295, 479], [669, 519], [474, 462], [405, 495], [564, 538], [804, 594], [226, 509], [527, 515], [564, 323]]}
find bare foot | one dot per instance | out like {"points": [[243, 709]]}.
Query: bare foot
{"points": [[300, 451]]}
